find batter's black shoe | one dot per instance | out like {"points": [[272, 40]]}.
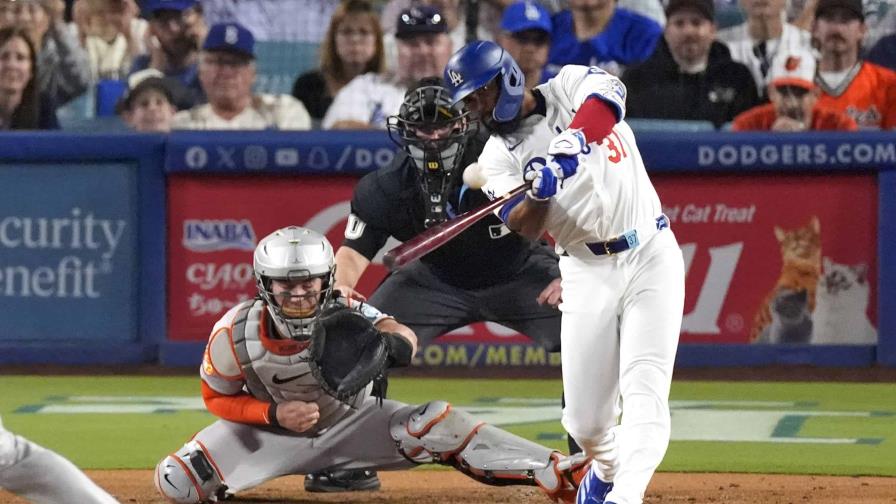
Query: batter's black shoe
{"points": [[342, 480]]}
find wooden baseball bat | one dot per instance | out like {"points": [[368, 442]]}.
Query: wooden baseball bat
{"points": [[439, 234]]}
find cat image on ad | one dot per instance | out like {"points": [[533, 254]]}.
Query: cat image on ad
{"points": [[800, 269], [791, 319], [840, 316]]}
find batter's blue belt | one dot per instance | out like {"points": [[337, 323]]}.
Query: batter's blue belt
{"points": [[623, 242]]}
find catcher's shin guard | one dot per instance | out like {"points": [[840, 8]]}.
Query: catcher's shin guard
{"points": [[189, 476], [436, 432]]}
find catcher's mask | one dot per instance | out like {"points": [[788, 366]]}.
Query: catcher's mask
{"points": [[433, 132], [294, 255]]}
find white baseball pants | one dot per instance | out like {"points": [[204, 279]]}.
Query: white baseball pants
{"points": [[621, 320]]}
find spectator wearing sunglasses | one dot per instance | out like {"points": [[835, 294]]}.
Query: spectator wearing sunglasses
{"points": [[794, 101], [526, 35], [423, 51], [227, 73]]}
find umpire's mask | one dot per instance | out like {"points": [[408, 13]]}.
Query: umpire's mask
{"points": [[433, 132]]}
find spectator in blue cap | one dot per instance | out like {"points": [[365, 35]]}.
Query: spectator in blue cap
{"points": [[526, 35], [227, 73], [176, 30]]}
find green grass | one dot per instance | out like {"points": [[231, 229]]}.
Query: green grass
{"points": [[139, 440]]}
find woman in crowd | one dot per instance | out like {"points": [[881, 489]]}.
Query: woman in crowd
{"points": [[21, 106], [353, 46], [63, 68]]}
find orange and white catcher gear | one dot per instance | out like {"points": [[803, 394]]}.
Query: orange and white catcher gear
{"points": [[437, 433], [188, 476]]}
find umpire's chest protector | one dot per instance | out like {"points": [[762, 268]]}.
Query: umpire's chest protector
{"points": [[273, 374]]}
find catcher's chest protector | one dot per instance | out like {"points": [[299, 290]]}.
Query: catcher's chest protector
{"points": [[279, 378]]}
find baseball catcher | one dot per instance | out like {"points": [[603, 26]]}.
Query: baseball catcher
{"points": [[290, 375]]}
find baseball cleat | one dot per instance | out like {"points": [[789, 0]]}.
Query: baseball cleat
{"points": [[342, 480], [592, 490]]}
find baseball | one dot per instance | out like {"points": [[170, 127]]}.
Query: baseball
{"points": [[473, 176]]}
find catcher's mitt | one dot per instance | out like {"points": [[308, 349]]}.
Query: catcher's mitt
{"points": [[346, 352]]}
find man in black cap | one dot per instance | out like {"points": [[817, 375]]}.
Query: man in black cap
{"points": [[865, 91], [424, 48], [690, 76]]}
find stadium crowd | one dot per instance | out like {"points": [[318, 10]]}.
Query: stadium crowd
{"points": [[158, 65]]}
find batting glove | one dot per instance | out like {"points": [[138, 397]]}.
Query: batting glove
{"points": [[543, 183], [565, 148]]}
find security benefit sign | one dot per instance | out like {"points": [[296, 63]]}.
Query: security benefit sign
{"points": [[68, 255], [214, 223], [770, 260]]}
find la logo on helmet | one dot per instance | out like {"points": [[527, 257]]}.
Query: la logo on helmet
{"points": [[455, 77]]}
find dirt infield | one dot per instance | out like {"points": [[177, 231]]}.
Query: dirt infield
{"points": [[450, 487]]}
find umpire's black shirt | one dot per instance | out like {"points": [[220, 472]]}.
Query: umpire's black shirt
{"points": [[390, 202]]}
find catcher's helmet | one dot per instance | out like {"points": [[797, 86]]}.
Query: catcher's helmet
{"points": [[291, 254], [478, 63]]}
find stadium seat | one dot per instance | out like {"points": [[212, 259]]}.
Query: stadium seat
{"points": [[728, 15], [105, 124], [108, 92], [640, 125], [279, 63]]}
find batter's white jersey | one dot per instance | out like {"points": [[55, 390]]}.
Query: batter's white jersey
{"points": [[610, 193]]}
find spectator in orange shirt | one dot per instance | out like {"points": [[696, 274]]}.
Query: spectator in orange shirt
{"points": [[794, 101], [865, 91]]}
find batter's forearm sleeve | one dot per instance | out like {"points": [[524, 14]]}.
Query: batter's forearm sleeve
{"points": [[595, 118], [241, 407]]}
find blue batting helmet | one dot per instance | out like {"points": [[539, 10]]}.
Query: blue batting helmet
{"points": [[478, 63]]}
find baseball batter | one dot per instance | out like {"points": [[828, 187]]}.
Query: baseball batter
{"points": [[43, 476], [622, 269], [276, 418]]}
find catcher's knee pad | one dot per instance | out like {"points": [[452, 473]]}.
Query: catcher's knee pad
{"points": [[189, 476], [436, 432]]}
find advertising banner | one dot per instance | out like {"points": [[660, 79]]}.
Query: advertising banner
{"points": [[68, 252], [731, 229], [215, 222], [783, 259]]}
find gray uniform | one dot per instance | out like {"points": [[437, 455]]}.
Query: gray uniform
{"points": [[43, 476], [227, 457]]}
